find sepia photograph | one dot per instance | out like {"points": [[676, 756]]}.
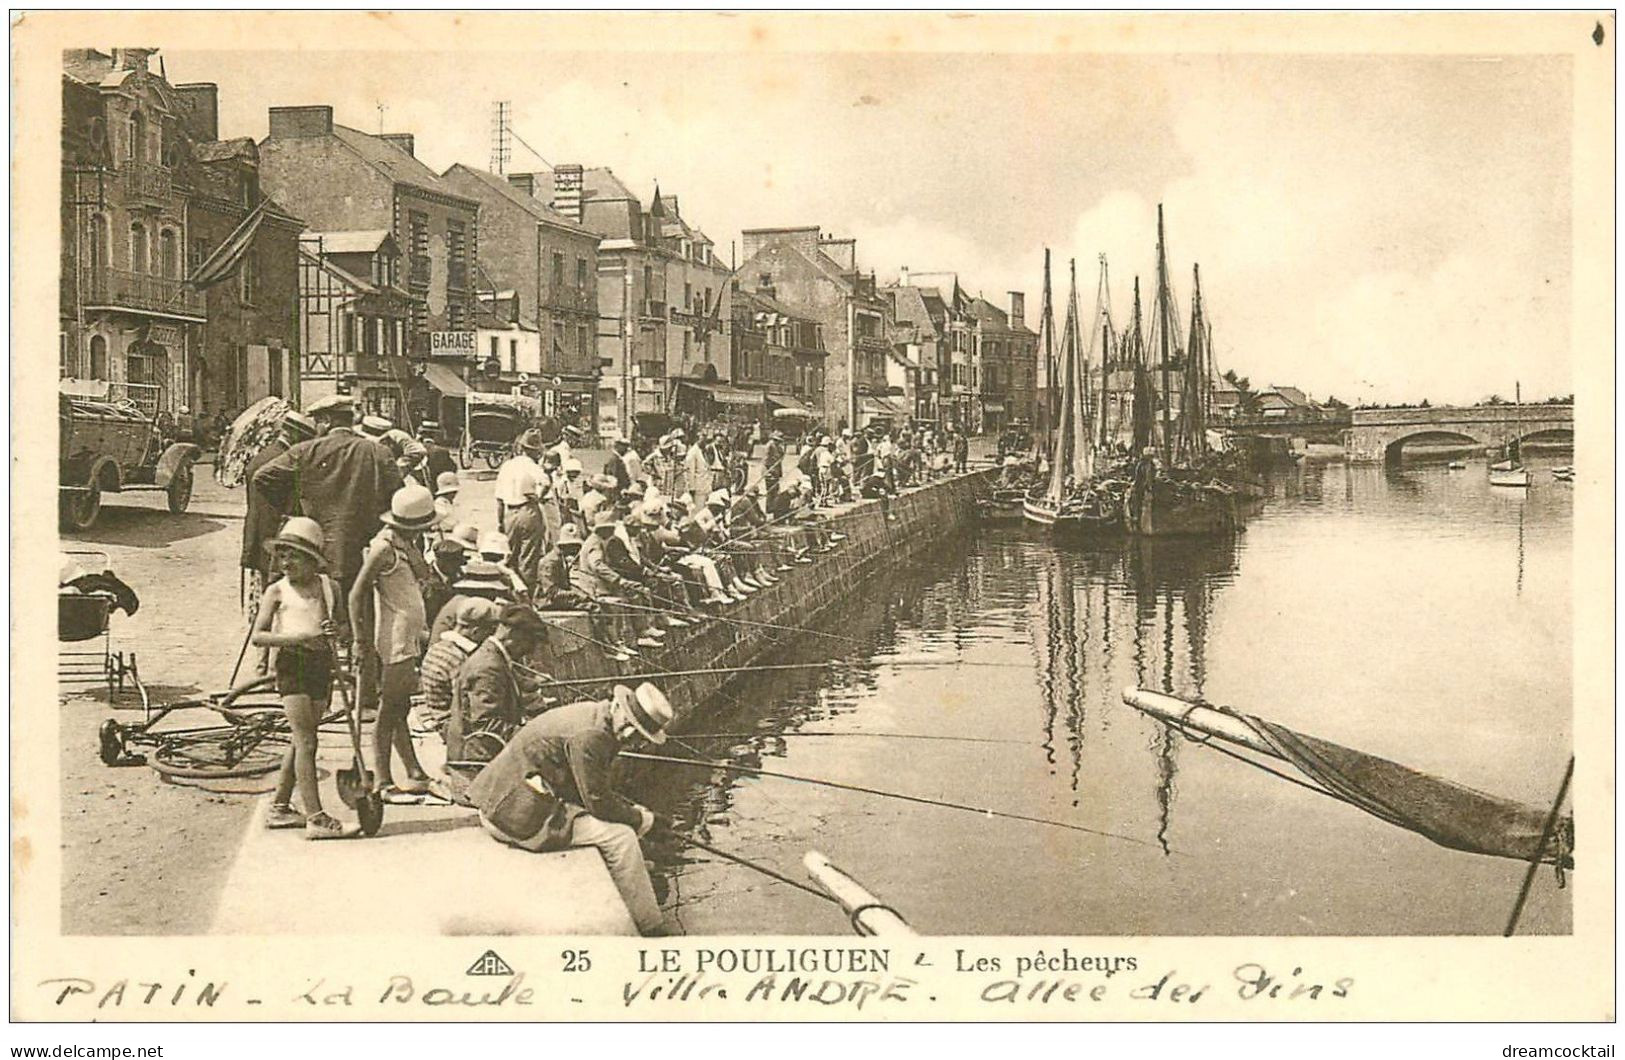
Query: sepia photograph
{"points": [[795, 478]]}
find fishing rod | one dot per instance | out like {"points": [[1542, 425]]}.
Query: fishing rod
{"points": [[878, 735], [742, 622], [644, 756], [747, 863]]}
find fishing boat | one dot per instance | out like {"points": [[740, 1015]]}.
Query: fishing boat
{"points": [[1179, 487], [1564, 473], [1458, 465], [1448, 813], [1510, 471], [1068, 501]]}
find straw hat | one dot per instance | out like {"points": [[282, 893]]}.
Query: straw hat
{"points": [[571, 466], [467, 535], [411, 508], [494, 543], [303, 535], [478, 614], [647, 709], [447, 484], [334, 406], [604, 517], [531, 441], [569, 534], [604, 483], [375, 426], [300, 424], [480, 576]]}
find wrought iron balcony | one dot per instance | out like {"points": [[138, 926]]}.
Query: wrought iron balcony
{"points": [[146, 183], [121, 289]]}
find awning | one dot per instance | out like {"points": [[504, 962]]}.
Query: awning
{"points": [[790, 404], [445, 380], [727, 395], [880, 406]]}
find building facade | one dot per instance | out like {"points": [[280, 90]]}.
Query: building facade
{"points": [[355, 320], [818, 278], [778, 351], [149, 196], [547, 265], [341, 180]]}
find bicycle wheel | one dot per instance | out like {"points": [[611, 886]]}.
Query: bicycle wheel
{"points": [[233, 751]]}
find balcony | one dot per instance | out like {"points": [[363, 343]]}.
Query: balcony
{"points": [[417, 270], [456, 275], [654, 308], [146, 183], [120, 289], [872, 343]]}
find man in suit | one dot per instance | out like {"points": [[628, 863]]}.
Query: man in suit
{"points": [[340, 479], [550, 788]]}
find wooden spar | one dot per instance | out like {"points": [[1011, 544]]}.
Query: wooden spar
{"points": [[1164, 314], [870, 916], [1206, 720]]}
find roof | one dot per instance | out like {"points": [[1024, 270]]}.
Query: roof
{"points": [[989, 314], [601, 183], [908, 305], [220, 150], [764, 301], [360, 241], [393, 162], [1289, 393], [499, 186]]}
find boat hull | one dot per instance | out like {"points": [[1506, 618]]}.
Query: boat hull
{"points": [[1514, 479], [1163, 511], [1042, 513]]}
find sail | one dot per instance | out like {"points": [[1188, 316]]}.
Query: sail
{"points": [[1083, 447], [1193, 400], [1063, 452]]}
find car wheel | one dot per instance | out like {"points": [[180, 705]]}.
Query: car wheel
{"points": [[180, 489], [80, 507]]}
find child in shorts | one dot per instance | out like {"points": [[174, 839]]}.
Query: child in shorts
{"points": [[297, 618]]}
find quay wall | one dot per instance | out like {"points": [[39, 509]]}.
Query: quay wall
{"points": [[890, 531]]}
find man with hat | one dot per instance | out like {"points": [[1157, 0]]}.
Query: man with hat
{"points": [[387, 613], [438, 460], [552, 590], [446, 561], [604, 490], [446, 488], [773, 459], [508, 492], [527, 533], [550, 788], [491, 693], [615, 464], [340, 479], [475, 620], [261, 520], [630, 457], [409, 453], [496, 549]]}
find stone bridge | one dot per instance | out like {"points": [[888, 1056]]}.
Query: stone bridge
{"points": [[1381, 434]]}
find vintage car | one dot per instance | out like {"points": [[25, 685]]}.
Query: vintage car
{"points": [[491, 424], [110, 442]]}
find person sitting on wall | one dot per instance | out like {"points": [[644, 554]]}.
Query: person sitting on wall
{"points": [[554, 589], [493, 692], [443, 661]]}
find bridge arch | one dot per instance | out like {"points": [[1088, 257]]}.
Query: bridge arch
{"points": [[1394, 449], [1548, 433]]}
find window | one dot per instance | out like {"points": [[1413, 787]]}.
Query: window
{"points": [[688, 296], [347, 325], [139, 256], [455, 316], [648, 282], [168, 254], [418, 231], [494, 342], [98, 357], [513, 353], [581, 344], [62, 354], [200, 252], [764, 279], [273, 371], [96, 254], [250, 278], [581, 273], [555, 354], [135, 150], [558, 270]]}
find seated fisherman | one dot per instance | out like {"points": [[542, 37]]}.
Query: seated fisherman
{"points": [[550, 789], [438, 670], [492, 692], [553, 589]]}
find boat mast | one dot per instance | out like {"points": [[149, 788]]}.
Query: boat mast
{"points": [[1103, 320], [1163, 327], [1193, 435], [1083, 452], [1046, 325], [1062, 457]]}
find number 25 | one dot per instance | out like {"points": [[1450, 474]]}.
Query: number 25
{"points": [[576, 961]]}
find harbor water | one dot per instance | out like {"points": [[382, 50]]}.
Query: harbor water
{"points": [[1415, 613]]}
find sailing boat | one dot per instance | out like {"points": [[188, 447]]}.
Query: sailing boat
{"points": [[1067, 501], [1511, 472], [1173, 493]]}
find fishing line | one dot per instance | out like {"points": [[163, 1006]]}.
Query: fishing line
{"points": [[754, 866], [743, 622], [984, 811], [885, 735]]}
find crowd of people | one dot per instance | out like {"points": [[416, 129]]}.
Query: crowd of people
{"points": [[357, 555]]}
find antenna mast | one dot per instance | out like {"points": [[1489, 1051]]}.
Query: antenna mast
{"points": [[501, 136]]}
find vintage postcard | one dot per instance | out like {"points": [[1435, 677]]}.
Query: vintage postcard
{"points": [[745, 516]]}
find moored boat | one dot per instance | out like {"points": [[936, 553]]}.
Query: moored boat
{"points": [[1517, 477]]}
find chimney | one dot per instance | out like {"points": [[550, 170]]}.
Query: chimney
{"points": [[525, 182], [567, 191], [132, 58], [293, 122], [402, 140], [902, 276], [1018, 307], [844, 252], [200, 109]]}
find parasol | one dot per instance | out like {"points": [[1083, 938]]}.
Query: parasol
{"points": [[253, 428]]}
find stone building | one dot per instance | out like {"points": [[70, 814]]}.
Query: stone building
{"points": [[778, 351], [354, 320], [341, 180], [818, 277], [550, 264], [178, 273]]}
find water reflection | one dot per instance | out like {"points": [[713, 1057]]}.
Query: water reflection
{"points": [[1416, 567]]}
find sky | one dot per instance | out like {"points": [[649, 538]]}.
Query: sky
{"points": [[1374, 228]]}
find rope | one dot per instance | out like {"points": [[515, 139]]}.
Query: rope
{"points": [[858, 911], [984, 811], [1180, 729]]}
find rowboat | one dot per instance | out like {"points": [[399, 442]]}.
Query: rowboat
{"points": [[1563, 474], [1448, 813], [1071, 517], [1002, 506], [1517, 477], [1458, 465]]}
